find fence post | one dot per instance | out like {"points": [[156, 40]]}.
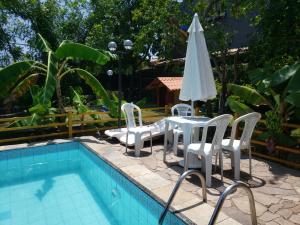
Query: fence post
{"points": [[167, 109], [197, 111], [70, 125]]}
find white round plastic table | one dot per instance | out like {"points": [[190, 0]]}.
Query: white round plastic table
{"points": [[186, 123]]}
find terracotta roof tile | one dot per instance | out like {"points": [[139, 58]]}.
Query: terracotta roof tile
{"points": [[172, 83]]}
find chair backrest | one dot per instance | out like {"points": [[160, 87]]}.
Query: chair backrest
{"points": [[128, 110], [181, 110], [220, 123], [250, 121]]}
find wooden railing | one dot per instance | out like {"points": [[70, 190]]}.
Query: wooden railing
{"points": [[70, 124], [278, 148]]}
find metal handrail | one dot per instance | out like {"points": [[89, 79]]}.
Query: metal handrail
{"points": [[228, 191], [181, 178]]}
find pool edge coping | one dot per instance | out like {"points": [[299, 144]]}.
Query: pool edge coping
{"points": [[84, 140]]}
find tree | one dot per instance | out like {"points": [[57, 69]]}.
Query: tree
{"points": [[17, 78], [277, 33], [21, 22]]}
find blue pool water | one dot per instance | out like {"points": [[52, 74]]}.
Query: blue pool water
{"points": [[66, 184]]}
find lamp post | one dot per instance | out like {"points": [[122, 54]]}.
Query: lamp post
{"points": [[112, 46], [109, 74]]}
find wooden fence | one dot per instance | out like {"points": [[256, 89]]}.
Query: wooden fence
{"points": [[72, 124], [278, 148]]}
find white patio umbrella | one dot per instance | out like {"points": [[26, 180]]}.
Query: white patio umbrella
{"points": [[198, 82]]}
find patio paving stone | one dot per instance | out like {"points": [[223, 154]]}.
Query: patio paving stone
{"points": [[285, 213], [272, 223], [265, 199], [283, 221], [268, 216], [295, 218], [242, 203]]}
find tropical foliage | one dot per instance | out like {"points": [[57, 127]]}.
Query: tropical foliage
{"points": [[277, 94], [158, 30], [279, 91], [20, 77]]}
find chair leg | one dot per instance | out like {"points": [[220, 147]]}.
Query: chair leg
{"points": [[221, 164], [126, 141], [216, 161], [250, 162], [203, 164], [232, 159], [237, 158], [139, 144], [151, 141], [186, 162], [208, 169]]}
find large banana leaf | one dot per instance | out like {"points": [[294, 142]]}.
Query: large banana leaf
{"points": [[42, 44], [78, 103], [10, 75], [257, 75], [294, 98], [40, 109], [111, 55], [23, 87], [35, 92], [96, 86], [247, 94], [76, 51], [50, 82], [284, 74], [236, 106], [294, 83]]}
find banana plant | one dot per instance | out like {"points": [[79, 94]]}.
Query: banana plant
{"points": [[16, 79], [38, 111], [279, 92], [79, 105]]}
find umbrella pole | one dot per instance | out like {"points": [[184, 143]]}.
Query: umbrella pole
{"points": [[193, 110]]}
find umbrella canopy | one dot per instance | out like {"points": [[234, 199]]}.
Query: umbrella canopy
{"points": [[198, 82]]}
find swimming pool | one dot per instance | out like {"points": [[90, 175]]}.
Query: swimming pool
{"points": [[67, 184]]}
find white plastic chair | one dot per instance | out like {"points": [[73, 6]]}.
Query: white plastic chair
{"points": [[234, 146], [140, 132], [179, 110], [128, 110], [207, 150]]}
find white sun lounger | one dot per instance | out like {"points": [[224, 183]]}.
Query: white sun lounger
{"points": [[137, 134], [157, 128]]}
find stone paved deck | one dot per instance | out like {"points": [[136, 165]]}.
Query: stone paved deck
{"points": [[276, 188]]}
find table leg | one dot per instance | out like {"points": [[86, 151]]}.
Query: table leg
{"points": [[186, 140], [196, 132]]}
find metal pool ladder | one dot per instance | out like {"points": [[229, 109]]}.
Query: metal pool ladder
{"points": [[171, 198], [228, 190]]}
